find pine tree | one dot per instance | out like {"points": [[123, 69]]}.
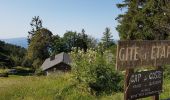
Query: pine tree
{"points": [[36, 24], [144, 20], [107, 38]]}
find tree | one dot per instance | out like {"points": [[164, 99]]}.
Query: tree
{"points": [[11, 55], [144, 20], [70, 39], [39, 47], [82, 40], [107, 38], [88, 41], [74, 39], [36, 24], [58, 45], [91, 42], [4, 59]]}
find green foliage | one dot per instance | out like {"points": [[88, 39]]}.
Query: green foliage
{"points": [[38, 49], [20, 71], [5, 61], [3, 73], [167, 71], [37, 63], [72, 39], [144, 20], [39, 72], [97, 71], [60, 87], [40, 42], [11, 55], [36, 24], [106, 81], [58, 45], [107, 38], [91, 42], [27, 62], [3, 70]]}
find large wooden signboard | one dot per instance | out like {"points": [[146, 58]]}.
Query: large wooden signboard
{"points": [[144, 84], [132, 54]]}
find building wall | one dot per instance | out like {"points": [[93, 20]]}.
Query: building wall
{"points": [[58, 69]]}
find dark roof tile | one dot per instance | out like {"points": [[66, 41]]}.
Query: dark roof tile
{"points": [[62, 57]]}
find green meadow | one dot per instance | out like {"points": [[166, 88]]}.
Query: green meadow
{"points": [[80, 45], [58, 87]]}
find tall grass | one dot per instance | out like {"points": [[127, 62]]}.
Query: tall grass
{"points": [[59, 87], [41, 88]]}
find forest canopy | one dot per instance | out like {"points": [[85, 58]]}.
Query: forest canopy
{"points": [[11, 55]]}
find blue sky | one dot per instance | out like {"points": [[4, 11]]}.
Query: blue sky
{"points": [[58, 16]]}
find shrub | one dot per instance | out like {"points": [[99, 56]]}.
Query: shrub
{"points": [[97, 71], [106, 81], [39, 72], [27, 63], [37, 63], [167, 71], [3, 73]]}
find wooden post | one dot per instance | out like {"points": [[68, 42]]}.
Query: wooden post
{"points": [[156, 97], [127, 77]]}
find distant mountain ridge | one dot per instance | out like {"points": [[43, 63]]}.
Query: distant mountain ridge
{"points": [[22, 41]]}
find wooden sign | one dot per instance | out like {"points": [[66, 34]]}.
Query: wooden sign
{"points": [[132, 54], [144, 84]]}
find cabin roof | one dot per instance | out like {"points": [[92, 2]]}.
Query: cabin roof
{"points": [[55, 60]]}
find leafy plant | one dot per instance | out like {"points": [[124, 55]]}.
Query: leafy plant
{"points": [[97, 71]]}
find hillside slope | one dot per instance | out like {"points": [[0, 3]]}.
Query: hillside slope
{"points": [[11, 55], [17, 41]]}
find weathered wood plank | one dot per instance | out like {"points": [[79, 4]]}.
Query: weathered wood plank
{"points": [[144, 84], [133, 54], [129, 72]]}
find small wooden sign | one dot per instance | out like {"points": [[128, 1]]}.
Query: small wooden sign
{"points": [[144, 84], [133, 54]]}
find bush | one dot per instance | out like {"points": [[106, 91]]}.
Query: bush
{"points": [[97, 71], [167, 71], [27, 63], [106, 81], [37, 63], [39, 72], [3, 73]]}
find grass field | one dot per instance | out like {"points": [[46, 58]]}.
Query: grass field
{"points": [[41, 88], [61, 87]]}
